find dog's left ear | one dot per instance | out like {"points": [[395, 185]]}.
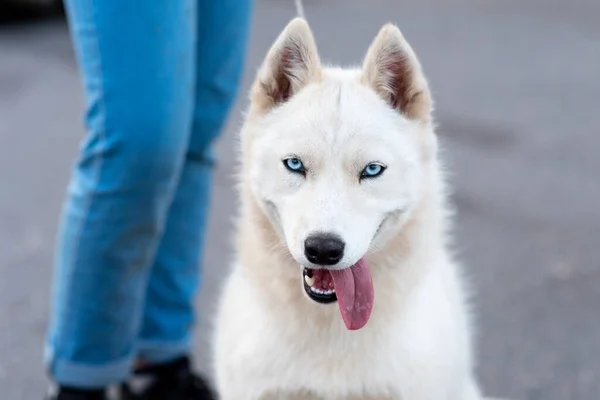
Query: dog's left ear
{"points": [[291, 64], [392, 69]]}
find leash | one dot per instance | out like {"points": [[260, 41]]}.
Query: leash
{"points": [[299, 8]]}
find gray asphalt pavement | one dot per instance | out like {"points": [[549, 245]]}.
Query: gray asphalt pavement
{"points": [[517, 89]]}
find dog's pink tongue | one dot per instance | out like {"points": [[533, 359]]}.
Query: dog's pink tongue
{"points": [[354, 291]]}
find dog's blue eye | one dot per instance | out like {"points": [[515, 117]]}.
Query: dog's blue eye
{"points": [[294, 164], [372, 170]]}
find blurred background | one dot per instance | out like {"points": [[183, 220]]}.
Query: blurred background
{"points": [[517, 90]]}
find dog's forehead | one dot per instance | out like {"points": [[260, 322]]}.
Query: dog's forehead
{"points": [[341, 110]]}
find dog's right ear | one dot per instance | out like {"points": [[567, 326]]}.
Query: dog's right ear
{"points": [[291, 63]]}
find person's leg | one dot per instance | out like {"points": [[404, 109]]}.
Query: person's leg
{"points": [[166, 334], [137, 65]]}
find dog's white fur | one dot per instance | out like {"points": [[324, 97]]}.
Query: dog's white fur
{"points": [[272, 342]]}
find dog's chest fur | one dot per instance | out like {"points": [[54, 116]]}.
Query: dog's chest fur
{"points": [[413, 349]]}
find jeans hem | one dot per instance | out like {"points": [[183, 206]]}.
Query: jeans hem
{"points": [[84, 375], [154, 352]]}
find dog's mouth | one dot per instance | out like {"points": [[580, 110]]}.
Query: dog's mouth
{"points": [[318, 285], [352, 288]]}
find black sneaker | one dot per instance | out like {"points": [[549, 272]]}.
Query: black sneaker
{"points": [[172, 381], [65, 393]]}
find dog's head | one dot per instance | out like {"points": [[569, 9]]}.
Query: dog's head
{"points": [[335, 157]]}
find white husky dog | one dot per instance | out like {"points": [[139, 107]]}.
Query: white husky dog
{"points": [[344, 287]]}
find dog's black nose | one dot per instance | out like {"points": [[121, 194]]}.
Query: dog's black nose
{"points": [[324, 249]]}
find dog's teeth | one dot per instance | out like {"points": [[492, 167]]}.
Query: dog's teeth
{"points": [[326, 292], [309, 281]]}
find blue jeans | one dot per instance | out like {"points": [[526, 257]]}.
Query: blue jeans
{"points": [[159, 80]]}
